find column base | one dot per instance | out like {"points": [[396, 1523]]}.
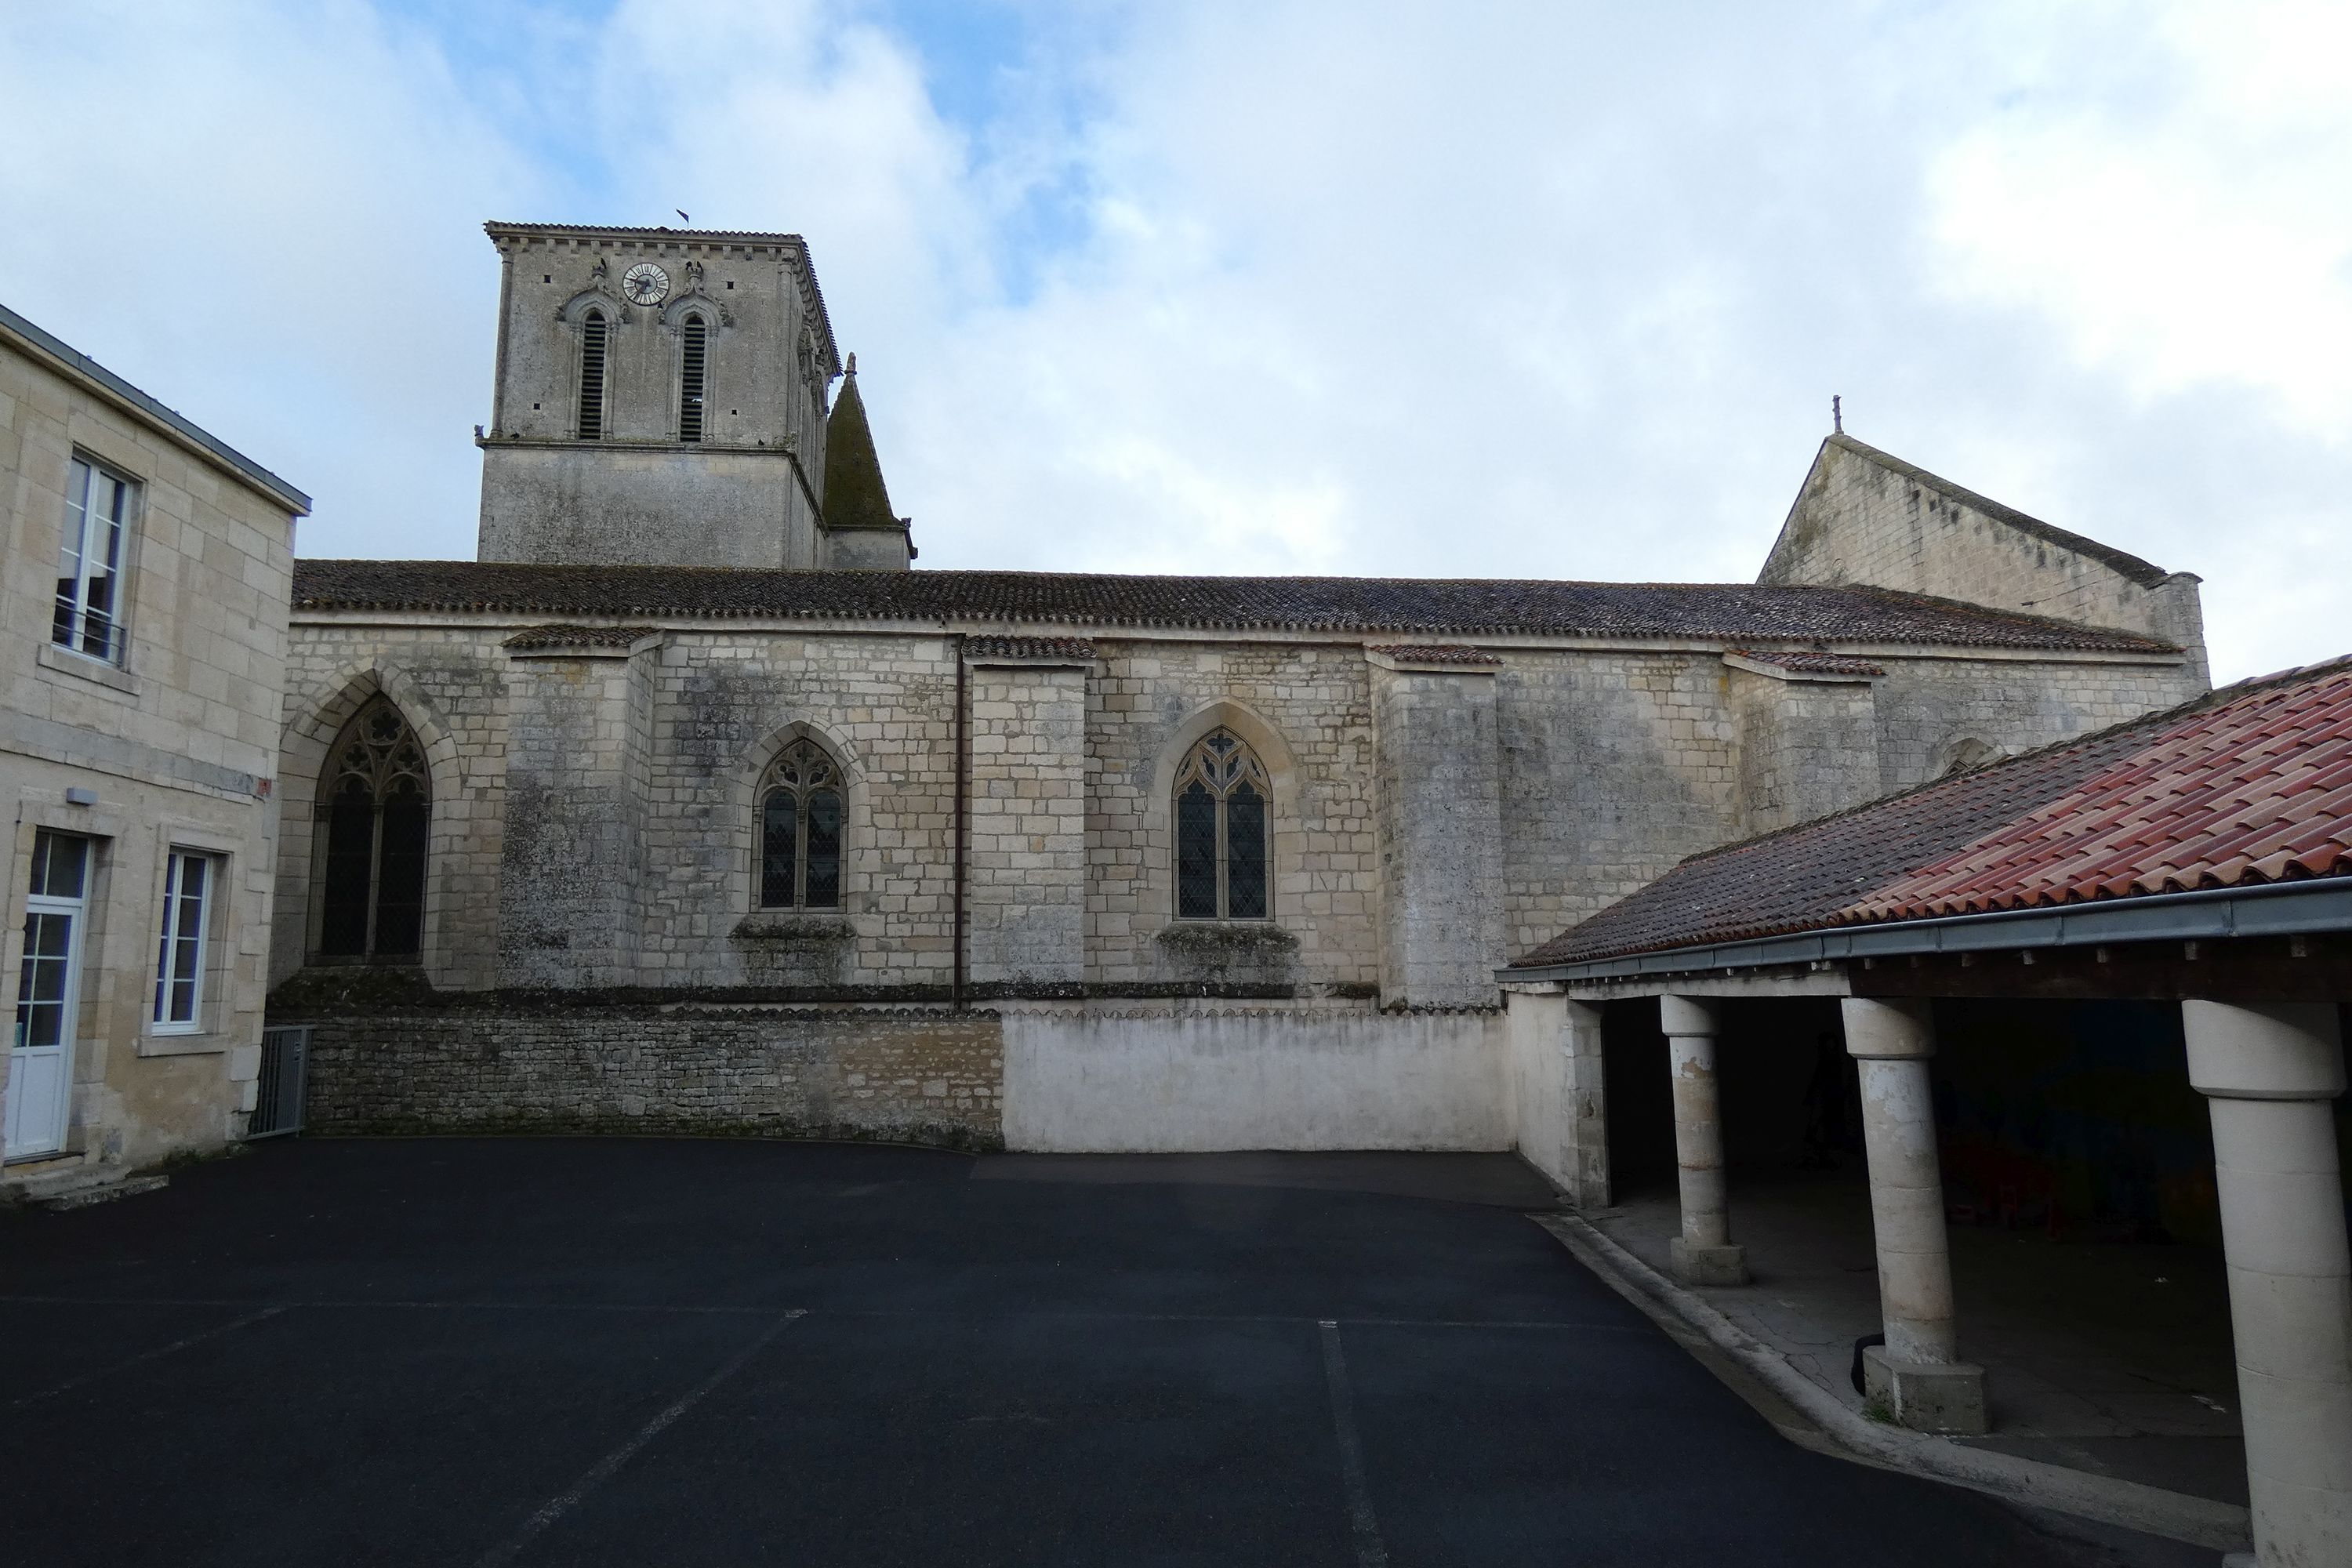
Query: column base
{"points": [[1925, 1396], [1725, 1265]]}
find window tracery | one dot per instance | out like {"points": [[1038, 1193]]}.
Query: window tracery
{"points": [[1220, 831], [377, 801], [801, 830]]}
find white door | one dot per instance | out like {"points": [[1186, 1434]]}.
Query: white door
{"points": [[40, 1064]]}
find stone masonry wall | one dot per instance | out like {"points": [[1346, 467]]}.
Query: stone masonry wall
{"points": [[916, 1076], [574, 852], [1807, 748], [1611, 765], [177, 746], [1027, 850], [451, 685], [1305, 709], [1860, 521], [1440, 835]]}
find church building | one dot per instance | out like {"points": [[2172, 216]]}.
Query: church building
{"points": [[694, 801]]}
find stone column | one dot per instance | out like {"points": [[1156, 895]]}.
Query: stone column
{"points": [[2268, 1074], [1918, 1374], [1703, 1253]]}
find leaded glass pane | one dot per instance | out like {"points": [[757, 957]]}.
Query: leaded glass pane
{"points": [[1196, 854], [1246, 853], [400, 875], [823, 850], [351, 872], [778, 849]]}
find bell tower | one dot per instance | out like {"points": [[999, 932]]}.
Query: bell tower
{"points": [[660, 399]]}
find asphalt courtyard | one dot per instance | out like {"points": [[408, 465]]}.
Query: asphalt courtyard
{"points": [[668, 1351]]}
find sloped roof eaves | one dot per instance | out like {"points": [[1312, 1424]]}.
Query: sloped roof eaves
{"points": [[1338, 604], [186, 430], [1907, 856]]}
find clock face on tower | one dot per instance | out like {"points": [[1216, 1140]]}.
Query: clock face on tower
{"points": [[644, 284]]}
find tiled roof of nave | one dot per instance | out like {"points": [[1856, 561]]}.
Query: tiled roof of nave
{"points": [[1459, 607]]}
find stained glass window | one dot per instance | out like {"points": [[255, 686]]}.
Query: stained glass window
{"points": [[800, 830], [377, 809], [1221, 832]]}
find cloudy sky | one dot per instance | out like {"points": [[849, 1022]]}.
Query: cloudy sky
{"points": [[1556, 290]]}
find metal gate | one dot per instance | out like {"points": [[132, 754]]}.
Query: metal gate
{"points": [[278, 1097]]}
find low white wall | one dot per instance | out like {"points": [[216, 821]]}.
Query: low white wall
{"points": [[1532, 1025], [1136, 1083], [1559, 1111]]}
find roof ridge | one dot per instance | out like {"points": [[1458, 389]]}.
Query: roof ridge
{"points": [[1404, 609]]}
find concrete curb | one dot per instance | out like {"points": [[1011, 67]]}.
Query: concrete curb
{"points": [[1847, 1434]]}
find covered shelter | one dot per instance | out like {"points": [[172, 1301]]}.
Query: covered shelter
{"points": [[2189, 872]]}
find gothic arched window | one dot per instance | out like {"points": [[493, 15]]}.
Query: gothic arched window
{"points": [[1220, 840], [693, 343], [377, 803], [800, 830], [595, 342]]}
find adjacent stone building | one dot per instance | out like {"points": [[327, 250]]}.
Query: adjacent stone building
{"points": [[690, 738], [142, 641]]}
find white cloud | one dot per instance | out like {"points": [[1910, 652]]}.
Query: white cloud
{"points": [[1556, 290], [2190, 230]]}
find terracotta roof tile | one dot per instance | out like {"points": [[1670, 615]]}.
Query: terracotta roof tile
{"points": [[560, 636], [1347, 606], [2250, 783], [1028, 647], [1805, 661], [1437, 653]]}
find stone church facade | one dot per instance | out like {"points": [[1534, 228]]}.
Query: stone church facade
{"points": [[690, 803]]}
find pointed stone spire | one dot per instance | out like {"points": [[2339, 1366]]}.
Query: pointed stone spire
{"points": [[854, 496]]}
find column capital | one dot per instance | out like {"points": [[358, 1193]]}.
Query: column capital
{"points": [[1687, 1016], [2274, 1051], [1877, 1029]]}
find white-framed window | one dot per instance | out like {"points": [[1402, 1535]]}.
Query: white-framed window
{"points": [[190, 878], [100, 506]]}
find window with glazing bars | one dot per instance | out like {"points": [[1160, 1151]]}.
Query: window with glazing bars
{"points": [[88, 615], [692, 350], [188, 882], [376, 799], [1221, 843], [800, 830], [594, 341]]}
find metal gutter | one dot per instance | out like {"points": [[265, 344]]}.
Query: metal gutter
{"points": [[79, 364], [2274, 908]]}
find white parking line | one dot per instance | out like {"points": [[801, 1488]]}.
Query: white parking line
{"points": [[1372, 1552], [602, 1470], [156, 1354]]}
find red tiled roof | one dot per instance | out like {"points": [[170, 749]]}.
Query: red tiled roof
{"points": [[1417, 607], [560, 636], [2248, 784], [1028, 647], [1436, 653], [1800, 661]]}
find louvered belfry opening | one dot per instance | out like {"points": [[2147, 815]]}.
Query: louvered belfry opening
{"points": [[690, 376], [591, 377]]}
